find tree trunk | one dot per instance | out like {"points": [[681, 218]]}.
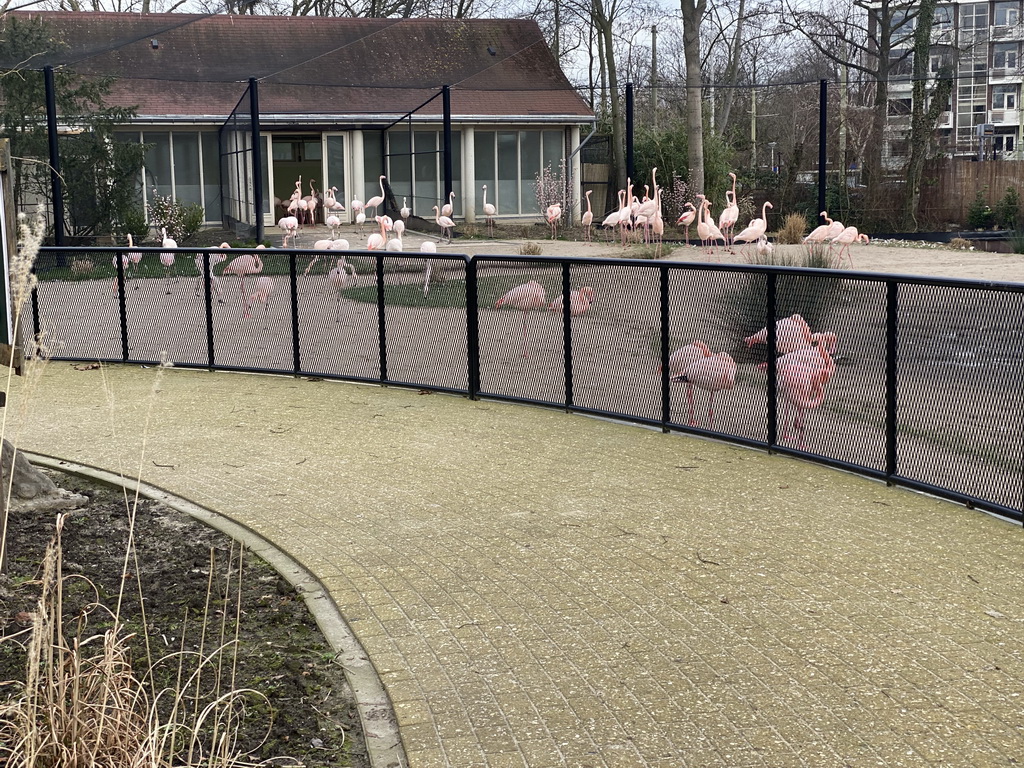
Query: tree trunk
{"points": [[618, 129], [692, 11]]}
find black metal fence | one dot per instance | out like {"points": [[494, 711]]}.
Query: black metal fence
{"points": [[922, 385]]}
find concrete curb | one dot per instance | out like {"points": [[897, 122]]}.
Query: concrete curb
{"points": [[376, 713]]}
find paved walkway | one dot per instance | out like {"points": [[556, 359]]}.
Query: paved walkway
{"points": [[540, 589]]}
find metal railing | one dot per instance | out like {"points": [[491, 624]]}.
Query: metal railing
{"points": [[925, 388]]}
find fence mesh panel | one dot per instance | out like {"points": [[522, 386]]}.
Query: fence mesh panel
{"points": [[955, 347]]}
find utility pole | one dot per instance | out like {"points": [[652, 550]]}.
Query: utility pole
{"points": [[844, 103]]}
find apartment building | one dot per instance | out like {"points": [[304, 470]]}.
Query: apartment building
{"points": [[982, 43]]}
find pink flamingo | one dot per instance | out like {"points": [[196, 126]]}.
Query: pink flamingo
{"points": [[756, 228], [215, 258], [686, 219], [129, 261], [713, 232], [448, 209], [845, 239], [579, 301], [802, 378], [333, 222], [445, 223], [612, 219], [588, 217], [377, 240], [290, 226], [820, 233], [246, 264], [731, 213], [341, 277], [166, 258], [261, 294], [489, 213], [526, 297], [312, 201], [553, 214], [711, 372], [682, 359], [427, 246], [376, 200]]}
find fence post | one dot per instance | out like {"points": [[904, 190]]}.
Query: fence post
{"points": [[567, 333], [55, 182], [822, 142], [891, 384], [446, 102], [773, 382], [666, 395], [257, 155], [382, 321], [122, 304], [472, 329], [209, 310], [293, 269]]}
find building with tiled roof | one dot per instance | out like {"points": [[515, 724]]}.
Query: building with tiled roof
{"points": [[334, 101]]}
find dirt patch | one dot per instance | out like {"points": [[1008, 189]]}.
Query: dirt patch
{"points": [[311, 720]]}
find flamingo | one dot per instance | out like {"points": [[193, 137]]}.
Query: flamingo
{"points": [[319, 245], [398, 228], [261, 294], [820, 234], [588, 217], [845, 239], [731, 213], [427, 246], [553, 214], [686, 219], [526, 297], [713, 232], [360, 220], [802, 377], [377, 240], [376, 200], [449, 208], [791, 333], [612, 219], [341, 277], [312, 201], [246, 264], [490, 212], [341, 244], [648, 209], [406, 212], [445, 223], [764, 248], [394, 244], [129, 259], [167, 258], [579, 301], [290, 226], [333, 222], [756, 228], [215, 258], [711, 372]]}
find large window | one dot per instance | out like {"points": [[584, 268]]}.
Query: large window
{"points": [[182, 164], [943, 19], [1004, 55], [509, 163], [1006, 14], [1004, 97], [419, 177], [974, 16]]}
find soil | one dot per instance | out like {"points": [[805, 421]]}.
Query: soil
{"points": [[312, 719]]}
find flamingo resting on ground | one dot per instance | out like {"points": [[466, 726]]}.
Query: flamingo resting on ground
{"points": [[579, 301], [526, 297], [696, 366]]}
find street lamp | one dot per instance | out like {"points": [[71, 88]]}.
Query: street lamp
{"points": [[771, 146]]}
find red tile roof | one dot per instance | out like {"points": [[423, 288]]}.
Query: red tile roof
{"points": [[348, 69]]}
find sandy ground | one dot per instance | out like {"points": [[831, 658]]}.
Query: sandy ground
{"points": [[895, 259]]}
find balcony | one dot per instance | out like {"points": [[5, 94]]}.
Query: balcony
{"points": [[1004, 117], [1006, 34]]}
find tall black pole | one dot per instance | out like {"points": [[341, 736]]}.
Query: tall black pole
{"points": [[446, 100], [257, 156], [629, 130], [55, 182], [822, 144]]}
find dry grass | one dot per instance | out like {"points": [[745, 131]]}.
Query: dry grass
{"points": [[530, 249], [960, 244], [793, 230]]}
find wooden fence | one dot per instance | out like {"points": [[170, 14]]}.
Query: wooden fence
{"points": [[950, 185]]}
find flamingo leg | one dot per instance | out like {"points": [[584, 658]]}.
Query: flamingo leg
{"points": [[526, 336], [689, 402]]}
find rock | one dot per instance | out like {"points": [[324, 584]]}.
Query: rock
{"points": [[32, 487]]}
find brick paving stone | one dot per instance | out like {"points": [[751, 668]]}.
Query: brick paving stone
{"points": [[537, 589]]}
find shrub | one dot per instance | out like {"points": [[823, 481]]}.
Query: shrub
{"points": [[793, 229], [979, 215], [960, 244], [529, 249], [132, 221], [180, 221], [1007, 210]]}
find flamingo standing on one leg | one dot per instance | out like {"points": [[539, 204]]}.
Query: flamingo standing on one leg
{"points": [[526, 297], [341, 277], [553, 215], [711, 372], [686, 219], [587, 218], [490, 212], [406, 211]]}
